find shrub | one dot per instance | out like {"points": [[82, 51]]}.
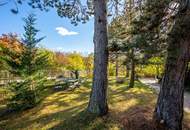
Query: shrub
{"points": [[25, 94]]}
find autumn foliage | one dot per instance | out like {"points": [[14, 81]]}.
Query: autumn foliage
{"points": [[11, 42]]}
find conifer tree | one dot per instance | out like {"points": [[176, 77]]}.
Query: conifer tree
{"points": [[27, 65], [31, 60]]}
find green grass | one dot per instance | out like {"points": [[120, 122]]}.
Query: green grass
{"points": [[4, 95], [66, 110]]}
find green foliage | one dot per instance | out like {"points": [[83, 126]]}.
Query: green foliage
{"points": [[111, 69], [136, 33], [25, 94], [45, 59], [1, 58], [28, 65], [31, 60], [71, 9], [153, 67]]}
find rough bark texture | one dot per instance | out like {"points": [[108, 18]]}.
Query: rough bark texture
{"points": [[98, 98], [168, 114], [132, 74]]}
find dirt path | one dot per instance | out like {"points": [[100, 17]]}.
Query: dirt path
{"points": [[153, 84]]}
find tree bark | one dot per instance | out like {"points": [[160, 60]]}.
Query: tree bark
{"points": [[76, 74], [127, 70], [98, 98], [187, 78], [168, 113], [132, 74]]}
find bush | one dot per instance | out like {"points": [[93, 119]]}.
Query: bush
{"points": [[25, 94]]}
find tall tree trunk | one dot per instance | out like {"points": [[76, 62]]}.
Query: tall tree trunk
{"points": [[132, 74], [98, 98], [116, 66], [127, 66], [168, 114], [127, 70]]}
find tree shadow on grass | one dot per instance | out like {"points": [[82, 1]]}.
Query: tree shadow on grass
{"points": [[5, 111], [130, 109], [80, 121], [88, 121], [57, 106]]}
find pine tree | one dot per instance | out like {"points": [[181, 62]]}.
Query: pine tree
{"points": [[29, 66], [169, 109], [31, 60]]}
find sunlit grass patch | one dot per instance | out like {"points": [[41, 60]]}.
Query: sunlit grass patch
{"points": [[66, 110]]}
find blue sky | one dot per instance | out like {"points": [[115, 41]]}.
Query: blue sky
{"points": [[60, 34]]}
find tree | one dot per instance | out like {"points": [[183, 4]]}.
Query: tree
{"points": [[75, 63], [9, 41], [114, 44], [28, 65], [74, 10], [31, 60], [168, 113], [123, 39], [169, 109], [98, 98]]}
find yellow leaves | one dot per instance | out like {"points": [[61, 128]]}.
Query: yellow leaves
{"points": [[75, 61]]}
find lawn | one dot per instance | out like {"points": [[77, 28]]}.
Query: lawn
{"points": [[65, 110]]}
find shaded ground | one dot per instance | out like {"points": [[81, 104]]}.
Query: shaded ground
{"points": [[130, 109]]}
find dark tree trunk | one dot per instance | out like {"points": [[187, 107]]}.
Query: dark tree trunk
{"points": [[116, 66], [98, 98], [132, 74], [127, 70], [168, 114], [76, 74], [187, 79]]}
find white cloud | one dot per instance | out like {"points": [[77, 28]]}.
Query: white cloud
{"points": [[64, 32]]}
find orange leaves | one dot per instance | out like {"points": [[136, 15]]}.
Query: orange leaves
{"points": [[11, 42], [61, 58]]}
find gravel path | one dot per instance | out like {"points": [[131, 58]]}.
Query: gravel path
{"points": [[153, 84]]}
